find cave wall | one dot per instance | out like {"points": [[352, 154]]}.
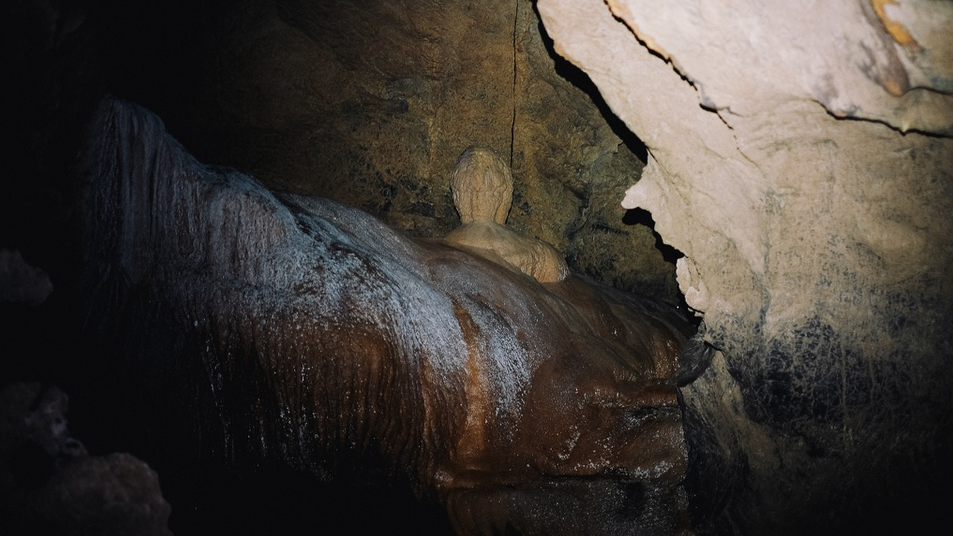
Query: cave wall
{"points": [[800, 157], [370, 104], [366, 103]]}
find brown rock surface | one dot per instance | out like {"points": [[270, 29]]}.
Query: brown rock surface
{"points": [[800, 159], [367, 103], [370, 104]]}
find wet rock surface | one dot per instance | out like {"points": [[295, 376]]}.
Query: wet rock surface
{"points": [[292, 330]]}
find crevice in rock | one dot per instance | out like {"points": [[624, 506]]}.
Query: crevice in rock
{"points": [[578, 78], [876, 121], [516, 18], [640, 216]]}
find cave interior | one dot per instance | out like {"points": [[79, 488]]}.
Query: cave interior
{"points": [[173, 57], [369, 104]]}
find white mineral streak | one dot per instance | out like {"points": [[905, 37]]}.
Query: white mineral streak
{"points": [[296, 264], [417, 309], [504, 362]]}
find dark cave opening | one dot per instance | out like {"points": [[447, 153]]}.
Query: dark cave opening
{"points": [[639, 216]]}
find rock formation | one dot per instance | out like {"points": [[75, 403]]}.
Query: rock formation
{"points": [[293, 330], [370, 103], [50, 485], [800, 158], [482, 187]]}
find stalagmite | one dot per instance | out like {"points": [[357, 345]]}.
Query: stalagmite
{"points": [[482, 188]]}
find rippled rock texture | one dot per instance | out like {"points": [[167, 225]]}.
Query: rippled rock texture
{"points": [[800, 158], [292, 329]]}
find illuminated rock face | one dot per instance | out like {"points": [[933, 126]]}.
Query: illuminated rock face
{"points": [[482, 187], [799, 156], [364, 103], [293, 329]]}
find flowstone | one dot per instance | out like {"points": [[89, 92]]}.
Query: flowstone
{"points": [[291, 330]]}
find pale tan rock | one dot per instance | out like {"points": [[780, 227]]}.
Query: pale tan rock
{"points": [[799, 156], [482, 187]]}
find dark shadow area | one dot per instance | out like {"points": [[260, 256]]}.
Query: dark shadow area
{"points": [[277, 500], [207, 496], [57, 60], [639, 216], [49, 85], [581, 80], [156, 53]]}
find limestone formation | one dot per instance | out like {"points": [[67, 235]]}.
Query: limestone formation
{"points": [[284, 329], [369, 104], [364, 103], [482, 186], [799, 157]]}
